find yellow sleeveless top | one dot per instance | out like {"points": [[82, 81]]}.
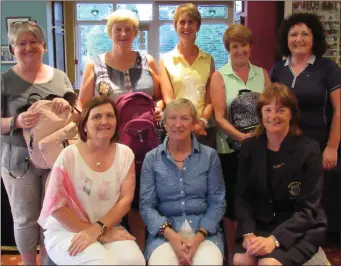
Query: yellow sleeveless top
{"points": [[189, 81]]}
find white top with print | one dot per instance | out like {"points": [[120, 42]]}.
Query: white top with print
{"points": [[97, 192]]}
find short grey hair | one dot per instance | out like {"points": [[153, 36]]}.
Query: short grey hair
{"points": [[122, 15], [180, 103], [15, 32]]}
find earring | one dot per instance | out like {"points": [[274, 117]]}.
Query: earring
{"points": [[85, 130]]}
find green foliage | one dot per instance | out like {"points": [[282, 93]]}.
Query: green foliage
{"points": [[97, 42]]}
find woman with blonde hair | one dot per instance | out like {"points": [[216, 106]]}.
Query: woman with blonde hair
{"points": [[186, 70], [279, 187], [119, 72], [122, 69], [237, 75], [182, 196]]}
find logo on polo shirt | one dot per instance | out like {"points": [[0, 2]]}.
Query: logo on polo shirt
{"points": [[294, 188]]}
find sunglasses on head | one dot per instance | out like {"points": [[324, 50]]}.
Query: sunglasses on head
{"points": [[17, 24]]}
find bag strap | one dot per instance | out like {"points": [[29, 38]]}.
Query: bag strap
{"points": [[241, 92], [10, 150], [100, 72], [31, 100]]}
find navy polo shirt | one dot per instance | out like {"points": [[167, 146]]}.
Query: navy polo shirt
{"points": [[312, 87]]}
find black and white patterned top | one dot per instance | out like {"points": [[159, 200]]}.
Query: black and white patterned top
{"points": [[113, 82]]}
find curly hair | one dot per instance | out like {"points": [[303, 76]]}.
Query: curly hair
{"points": [[313, 23]]}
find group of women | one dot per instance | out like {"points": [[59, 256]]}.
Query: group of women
{"points": [[270, 190]]}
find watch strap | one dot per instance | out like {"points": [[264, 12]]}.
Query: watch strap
{"points": [[275, 241], [100, 223], [200, 231]]}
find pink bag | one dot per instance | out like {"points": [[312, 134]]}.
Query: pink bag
{"points": [[50, 135], [137, 125]]}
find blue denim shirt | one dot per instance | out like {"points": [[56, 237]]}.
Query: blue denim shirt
{"points": [[195, 194]]}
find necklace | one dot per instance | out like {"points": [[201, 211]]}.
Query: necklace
{"points": [[98, 164], [178, 161]]}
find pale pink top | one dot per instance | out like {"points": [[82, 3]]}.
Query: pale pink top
{"points": [[88, 193]]}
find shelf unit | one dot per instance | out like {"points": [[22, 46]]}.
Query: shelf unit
{"points": [[329, 13]]}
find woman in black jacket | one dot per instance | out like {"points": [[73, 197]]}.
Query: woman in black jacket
{"points": [[279, 187]]}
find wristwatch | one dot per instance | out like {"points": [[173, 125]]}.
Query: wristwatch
{"points": [[103, 229], [200, 231], [276, 241], [248, 234]]}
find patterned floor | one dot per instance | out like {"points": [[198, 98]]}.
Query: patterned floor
{"points": [[332, 251]]}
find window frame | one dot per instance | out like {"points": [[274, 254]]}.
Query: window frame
{"points": [[151, 26]]}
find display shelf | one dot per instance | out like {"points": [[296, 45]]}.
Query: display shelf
{"points": [[329, 14]]}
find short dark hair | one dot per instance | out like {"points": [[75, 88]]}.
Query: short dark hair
{"points": [[313, 23], [284, 96], [89, 105]]}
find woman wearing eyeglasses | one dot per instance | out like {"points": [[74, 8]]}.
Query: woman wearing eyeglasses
{"points": [[30, 75]]}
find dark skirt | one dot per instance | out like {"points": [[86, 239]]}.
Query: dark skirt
{"points": [[229, 164], [210, 139], [296, 255]]}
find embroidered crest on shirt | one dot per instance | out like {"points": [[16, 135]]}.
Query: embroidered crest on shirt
{"points": [[275, 166], [294, 188], [104, 88]]}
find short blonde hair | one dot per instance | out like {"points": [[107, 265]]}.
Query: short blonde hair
{"points": [[119, 16], [190, 10], [237, 33], [15, 32], [180, 103]]}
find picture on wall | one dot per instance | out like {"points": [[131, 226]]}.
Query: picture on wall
{"points": [[238, 7], [330, 17], [6, 56], [10, 20]]}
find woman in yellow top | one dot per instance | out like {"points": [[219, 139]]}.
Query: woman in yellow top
{"points": [[186, 70]]}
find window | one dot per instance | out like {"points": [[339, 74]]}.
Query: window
{"points": [[156, 35]]}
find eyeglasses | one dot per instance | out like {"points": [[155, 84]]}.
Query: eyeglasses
{"points": [[17, 24]]}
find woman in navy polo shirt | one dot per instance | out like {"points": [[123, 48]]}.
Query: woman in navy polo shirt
{"points": [[315, 81]]}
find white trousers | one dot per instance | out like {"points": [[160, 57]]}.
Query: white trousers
{"points": [[116, 253], [207, 254]]}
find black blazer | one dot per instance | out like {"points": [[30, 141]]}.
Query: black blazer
{"points": [[293, 212]]}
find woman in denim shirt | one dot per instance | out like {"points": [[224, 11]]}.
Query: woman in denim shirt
{"points": [[182, 195]]}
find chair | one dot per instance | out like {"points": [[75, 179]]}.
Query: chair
{"points": [[319, 258]]}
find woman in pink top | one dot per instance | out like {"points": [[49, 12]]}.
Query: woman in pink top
{"points": [[91, 189]]}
